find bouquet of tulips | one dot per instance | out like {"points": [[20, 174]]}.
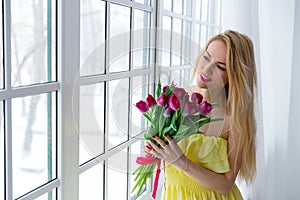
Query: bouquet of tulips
{"points": [[172, 112]]}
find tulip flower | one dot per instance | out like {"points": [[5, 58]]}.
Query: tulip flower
{"points": [[142, 106], [179, 92], [189, 108], [165, 88], [167, 111], [196, 98], [173, 102], [162, 100], [205, 107], [150, 101]]}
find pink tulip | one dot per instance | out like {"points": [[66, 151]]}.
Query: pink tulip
{"points": [[162, 100], [196, 98], [189, 108], [142, 106], [150, 101], [179, 92], [167, 111], [165, 88], [173, 102], [205, 107]]}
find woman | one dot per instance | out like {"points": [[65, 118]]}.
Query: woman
{"points": [[206, 166]]}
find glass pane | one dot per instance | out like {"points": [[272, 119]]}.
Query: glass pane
{"points": [[91, 183], [1, 49], [119, 43], [187, 7], [31, 42], [1, 151], [118, 112], [146, 2], [140, 90], [198, 9], [218, 12], [204, 10], [48, 196], [33, 142], [92, 37], [177, 6], [91, 121], [203, 36], [167, 5], [141, 39], [176, 77], [166, 41], [176, 41], [135, 151], [117, 176], [186, 43]]}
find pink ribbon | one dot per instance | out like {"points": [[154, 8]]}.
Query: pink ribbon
{"points": [[146, 161]]}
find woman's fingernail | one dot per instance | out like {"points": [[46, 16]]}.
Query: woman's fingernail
{"points": [[153, 136], [165, 135]]}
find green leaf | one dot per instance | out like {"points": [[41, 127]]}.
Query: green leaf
{"points": [[158, 89]]}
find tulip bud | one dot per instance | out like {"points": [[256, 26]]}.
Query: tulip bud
{"points": [[167, 111], [205, 107], [142, 106], [165, 88], [162, 100], [173, 102], [189, 108], [196, 98], [150, 101]]}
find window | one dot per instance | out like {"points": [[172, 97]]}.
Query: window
{"points": [[70, 74]]}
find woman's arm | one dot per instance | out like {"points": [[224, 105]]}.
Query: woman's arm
{"points": [[171, 153]]}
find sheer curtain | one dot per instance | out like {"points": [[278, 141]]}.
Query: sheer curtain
{"points": [[272, 26]]}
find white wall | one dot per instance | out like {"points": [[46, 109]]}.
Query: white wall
{"points": [[272, 26]]}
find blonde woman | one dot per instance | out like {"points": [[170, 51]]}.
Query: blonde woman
{"points": [[206, 166]]}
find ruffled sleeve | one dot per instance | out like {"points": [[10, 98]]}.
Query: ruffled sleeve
{"points": [[207, 151]]}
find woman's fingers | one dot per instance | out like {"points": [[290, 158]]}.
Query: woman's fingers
{"points": [[159, 141]]}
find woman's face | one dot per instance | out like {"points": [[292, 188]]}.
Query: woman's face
{"points": [[212, 67]]}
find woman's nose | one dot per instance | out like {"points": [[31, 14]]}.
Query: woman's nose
{"points": [[208, 68]]}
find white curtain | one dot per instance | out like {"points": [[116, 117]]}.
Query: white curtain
{"points": [[273, 26]]}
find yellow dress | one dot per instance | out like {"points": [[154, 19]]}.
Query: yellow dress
{"points": [[207, 151]]}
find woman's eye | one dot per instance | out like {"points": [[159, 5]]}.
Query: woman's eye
{"points": [[206, 57], [221, 68]]}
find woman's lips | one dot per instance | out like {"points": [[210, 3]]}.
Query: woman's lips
{"points": [[204, 78]]}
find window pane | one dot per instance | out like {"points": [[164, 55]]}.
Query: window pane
{"points": [[203, 36], [166, 40], [118, 112], [204, 10], [31, 42], [48, 196], [198, 9], [119, 38], [167, 5], [91, 121], [117, 176], [1, 151], [187, 7], [92, 37], [33, 142], [146, 2], [91, 183], [1, 49], [186, 43], [218, 12], [135, 151], [177, 6], [176, 44], [141, 39], [140, 90]]}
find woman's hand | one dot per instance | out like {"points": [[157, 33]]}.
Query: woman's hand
{"points": [[167, 152]]}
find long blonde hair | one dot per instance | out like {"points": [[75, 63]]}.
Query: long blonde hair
{"points": [[240, 92]]}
